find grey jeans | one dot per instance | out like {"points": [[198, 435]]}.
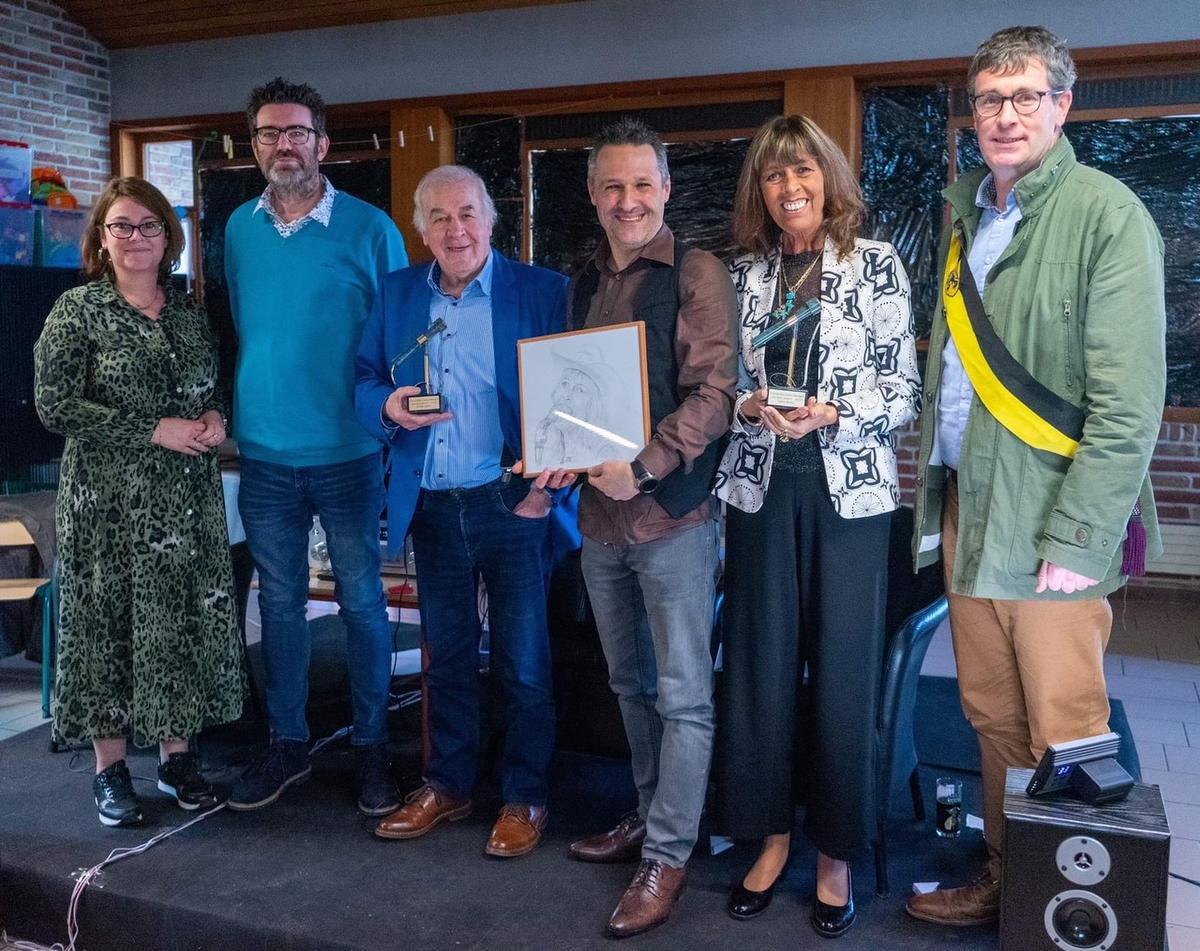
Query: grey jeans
{"points": [[653, 604]]}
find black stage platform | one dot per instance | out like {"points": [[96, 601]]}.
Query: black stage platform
{"points": [[306, 873]]}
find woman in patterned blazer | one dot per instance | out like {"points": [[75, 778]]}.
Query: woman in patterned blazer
{"points": [[809, 490]]}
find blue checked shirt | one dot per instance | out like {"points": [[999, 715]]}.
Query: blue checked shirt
{"points": [[996, 230], [465, 451]]}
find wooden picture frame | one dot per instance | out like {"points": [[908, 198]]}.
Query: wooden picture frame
{"points": [[585, 397]]}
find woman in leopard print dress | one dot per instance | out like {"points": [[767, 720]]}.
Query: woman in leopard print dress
{"points": [[149, 647]]}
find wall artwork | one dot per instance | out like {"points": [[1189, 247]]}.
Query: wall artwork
{"points": [[584, 397]]}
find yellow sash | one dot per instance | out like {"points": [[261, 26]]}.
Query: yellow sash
{"points": [[1030, 411]]}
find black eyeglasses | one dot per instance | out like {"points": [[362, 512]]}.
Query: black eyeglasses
{"points": [[123, 229], [296, 134], [1025, 103]]}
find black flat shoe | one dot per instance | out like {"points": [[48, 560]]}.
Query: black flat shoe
{"points": [[833, 921], [745, 904]]}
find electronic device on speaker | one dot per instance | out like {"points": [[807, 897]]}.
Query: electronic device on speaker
{"points": [[1087, 767]]}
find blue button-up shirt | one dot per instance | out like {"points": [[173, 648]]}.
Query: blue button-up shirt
{"points": [[996, 230], [465, 451]]}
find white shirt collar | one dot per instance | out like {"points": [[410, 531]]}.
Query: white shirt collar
{"points": [[320, 213]]}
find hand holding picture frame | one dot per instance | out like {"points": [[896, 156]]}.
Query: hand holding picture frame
{"points": [[584, 397]]}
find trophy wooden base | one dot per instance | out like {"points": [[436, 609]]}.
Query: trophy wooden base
{"points": [[786, 397], [421, 405]]}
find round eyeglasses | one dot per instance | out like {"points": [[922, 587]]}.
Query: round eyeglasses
{"points": [[1025, 103], [296, 134], [123, 229]]}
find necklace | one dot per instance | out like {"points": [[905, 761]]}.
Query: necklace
{"points": [[787, 301], [786, 305], [151, 307]]}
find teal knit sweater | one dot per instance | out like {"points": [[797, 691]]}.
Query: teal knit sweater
{"points": [[299, 304]]}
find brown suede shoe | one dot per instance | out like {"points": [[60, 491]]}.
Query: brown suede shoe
{"points": [[423, 809], [621, 844], [974, 904], [517, 831], [647, 901]]}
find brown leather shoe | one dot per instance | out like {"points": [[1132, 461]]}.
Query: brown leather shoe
{"points": [[974, 904], [647, 901], [621, 844], [517, 831], [423, 809]]}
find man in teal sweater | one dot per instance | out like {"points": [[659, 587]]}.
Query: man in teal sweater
{"points": [[303, 263]]}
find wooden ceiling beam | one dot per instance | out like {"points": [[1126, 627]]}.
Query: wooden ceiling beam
{"points": [[152, 22]]}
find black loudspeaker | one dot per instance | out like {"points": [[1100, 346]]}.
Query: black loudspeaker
{"points": [[1079, 877]]}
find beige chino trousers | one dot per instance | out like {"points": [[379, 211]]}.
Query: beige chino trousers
{"points": [[1030, 673]]}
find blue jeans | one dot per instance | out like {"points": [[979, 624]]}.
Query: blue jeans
{"points": [[653, 604], [459, 535], [277, 505]]}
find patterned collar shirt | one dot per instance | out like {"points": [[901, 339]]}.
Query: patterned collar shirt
{"points": [[995, 233], [320, 212]]}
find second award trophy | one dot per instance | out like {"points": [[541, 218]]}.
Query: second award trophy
{"points": [[429, 401]]}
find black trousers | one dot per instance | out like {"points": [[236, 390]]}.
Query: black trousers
{"points": [[804, 589]]}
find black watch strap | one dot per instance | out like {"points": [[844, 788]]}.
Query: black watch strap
{"points": [[646, 483]]}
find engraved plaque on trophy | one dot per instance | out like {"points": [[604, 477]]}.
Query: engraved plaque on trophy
{"points": [[786, 397]]}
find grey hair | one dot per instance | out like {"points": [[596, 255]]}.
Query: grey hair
{"points": [[448, 175], [628, 131], [1011, 49]]}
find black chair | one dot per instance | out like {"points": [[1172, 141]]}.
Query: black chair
{"points": [[916, 606]]}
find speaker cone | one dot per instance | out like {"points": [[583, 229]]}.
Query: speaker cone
{"points": [[1082, 920]]}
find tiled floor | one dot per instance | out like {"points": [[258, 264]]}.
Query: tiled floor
{"points": [[1153, 666]]}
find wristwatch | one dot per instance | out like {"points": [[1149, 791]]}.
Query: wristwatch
{"points": [[646, 483]]}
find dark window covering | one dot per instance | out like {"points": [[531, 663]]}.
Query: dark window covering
{"points": [[714, 117], [703, 180], [905, 166], [491, 146]]}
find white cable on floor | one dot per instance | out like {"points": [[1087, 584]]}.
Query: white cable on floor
{"points": [[117, 855]]}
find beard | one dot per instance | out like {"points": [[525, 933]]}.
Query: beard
{"points": [[297, 181]]}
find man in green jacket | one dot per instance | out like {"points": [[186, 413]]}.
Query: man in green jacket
{"points": [[1034, 532]]}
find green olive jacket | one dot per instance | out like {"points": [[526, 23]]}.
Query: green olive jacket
{"points": [[1077, 297]]}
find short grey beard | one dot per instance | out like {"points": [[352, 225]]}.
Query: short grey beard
{"points": [[295, 188]]}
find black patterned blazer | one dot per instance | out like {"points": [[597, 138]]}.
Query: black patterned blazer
{"points": [[867, 368]]}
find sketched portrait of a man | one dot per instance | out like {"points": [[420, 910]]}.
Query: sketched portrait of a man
{"points": [[578, 395]]}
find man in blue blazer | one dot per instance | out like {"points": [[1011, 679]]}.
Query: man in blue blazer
{"points": [[468, 516]]}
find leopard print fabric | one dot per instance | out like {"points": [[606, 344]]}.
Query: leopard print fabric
{"points": [[149, 645]]}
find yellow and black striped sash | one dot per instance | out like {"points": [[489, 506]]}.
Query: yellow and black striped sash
{"points": [[1030, 411]]}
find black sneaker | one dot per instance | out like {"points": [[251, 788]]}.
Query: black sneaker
{"points": [[180, 776], [377, 795], [285, 762], [115, 799]]}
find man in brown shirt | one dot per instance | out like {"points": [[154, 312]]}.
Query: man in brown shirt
{"points": [[650, 526]]}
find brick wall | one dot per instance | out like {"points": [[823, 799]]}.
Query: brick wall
{"points": [[169, 167], [54, 93], [1175, 470]]}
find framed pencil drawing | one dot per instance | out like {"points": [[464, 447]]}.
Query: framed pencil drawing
{"points": [[584, 397]]}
